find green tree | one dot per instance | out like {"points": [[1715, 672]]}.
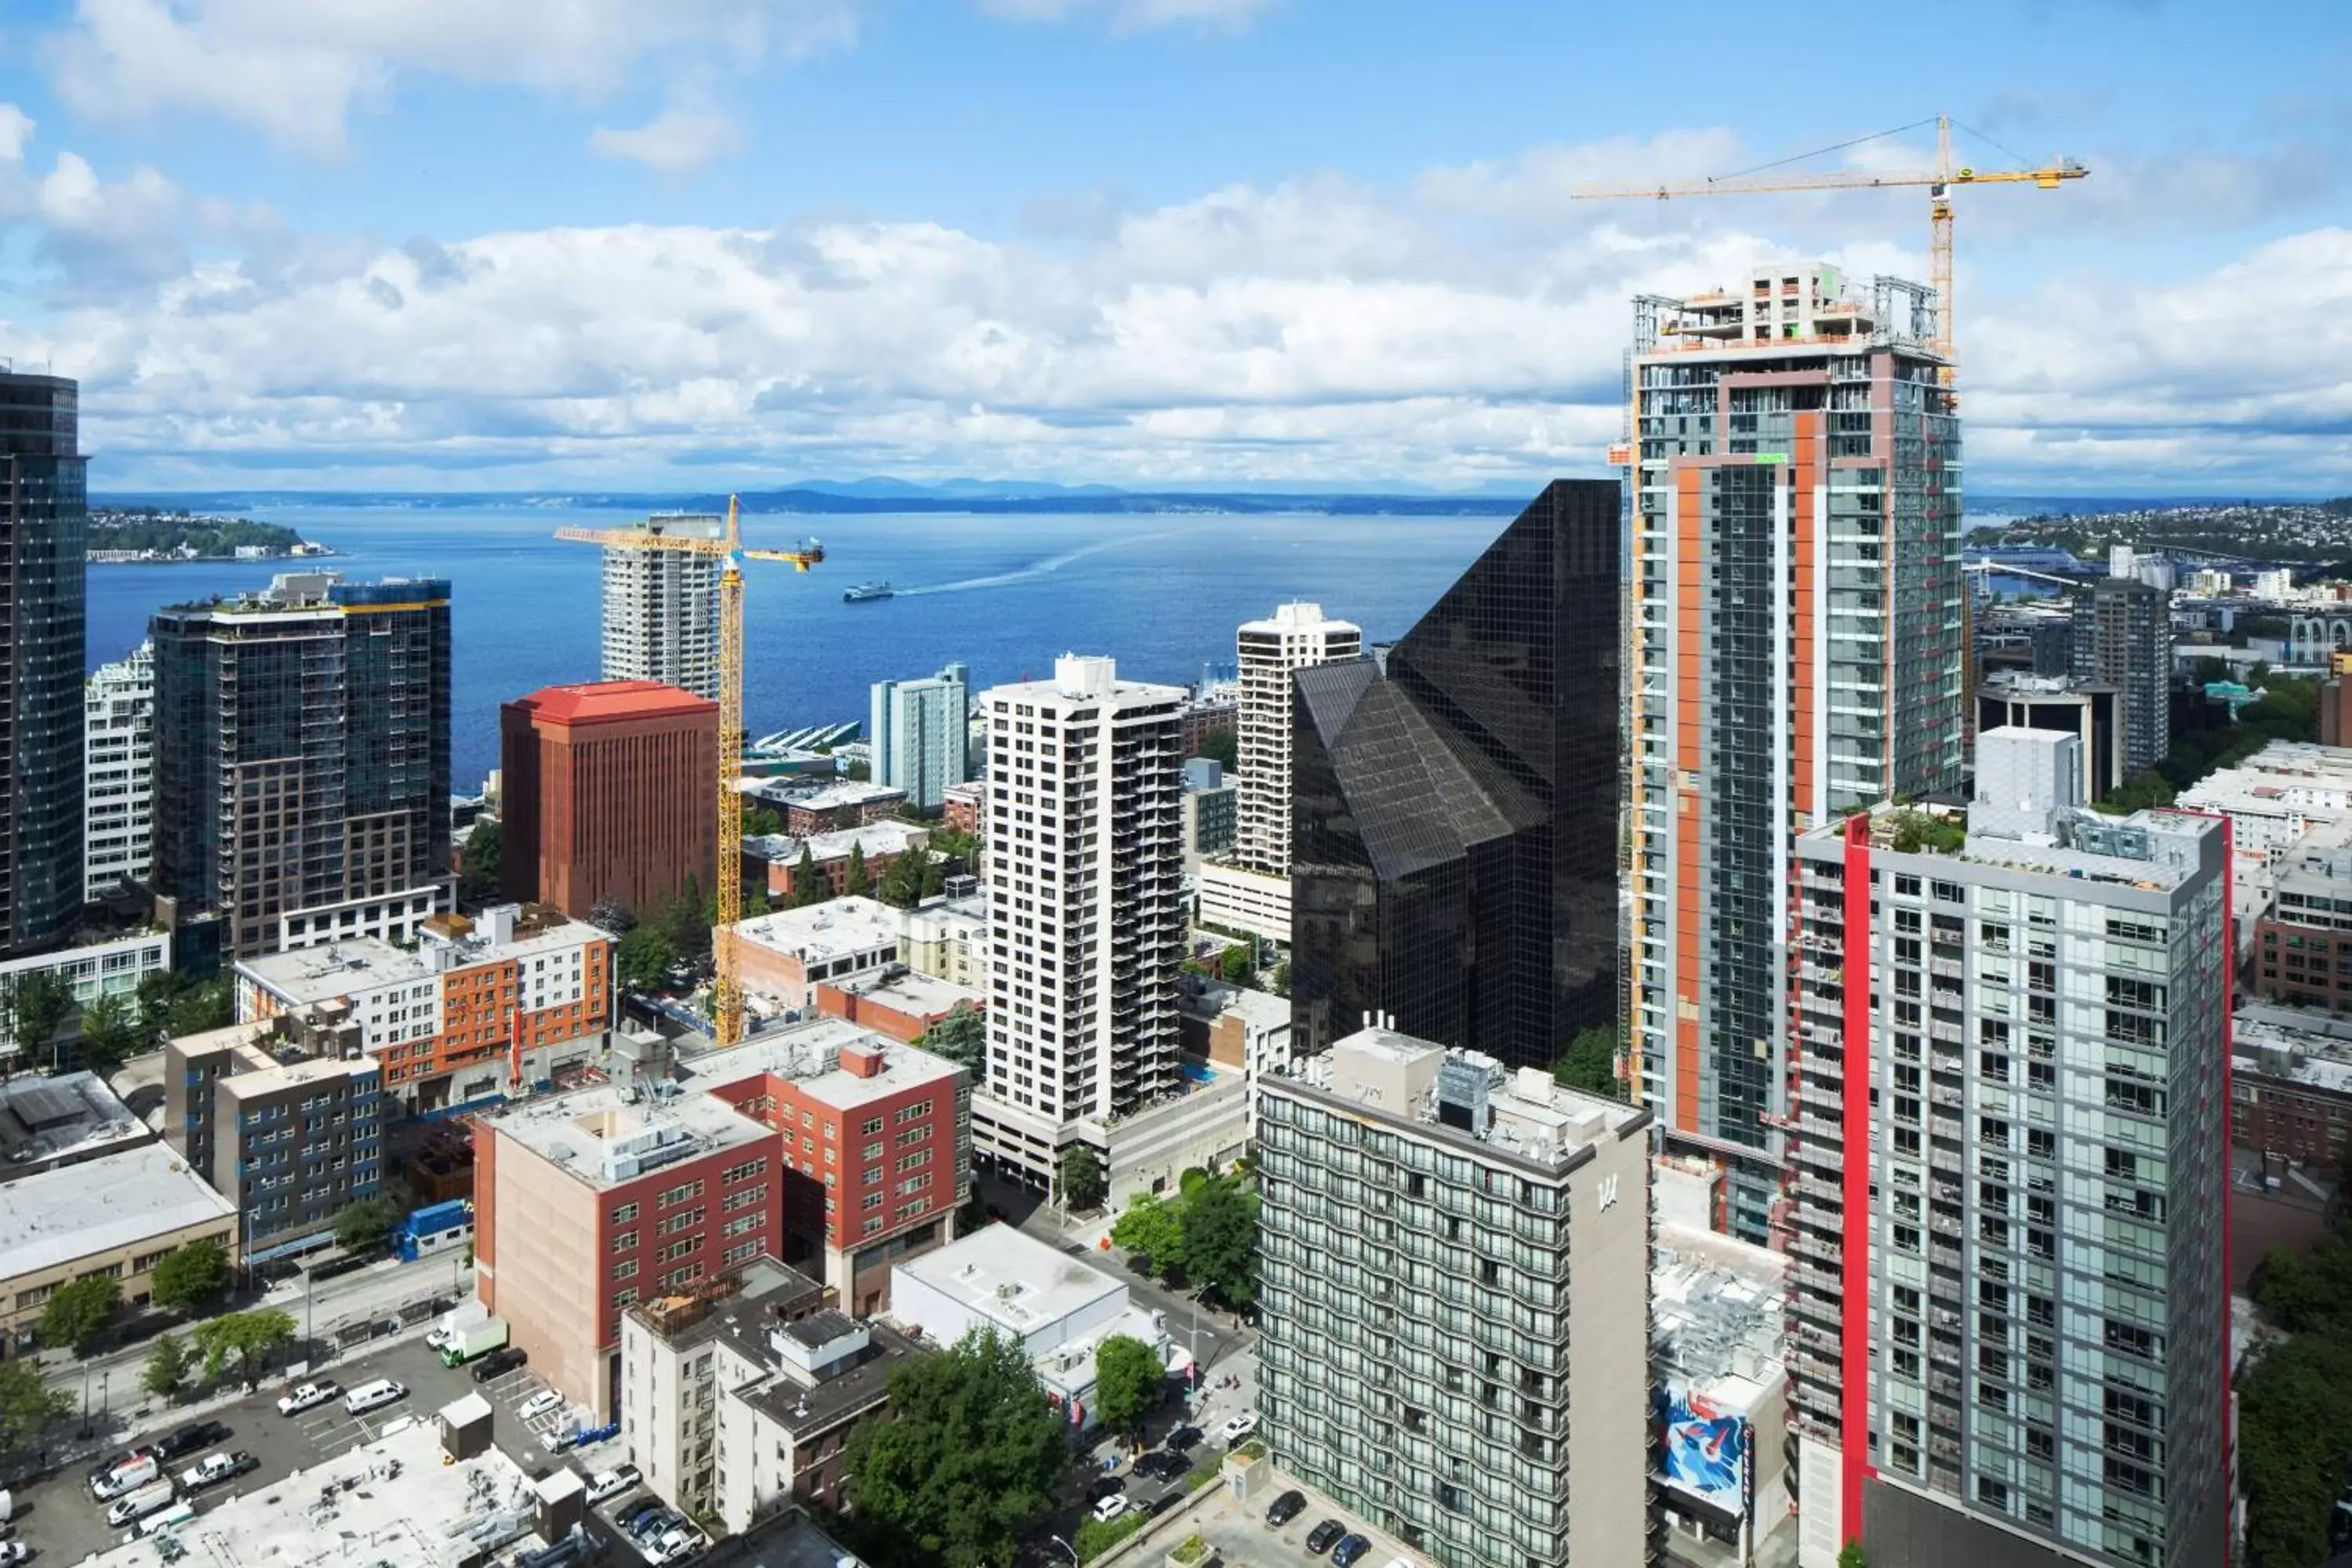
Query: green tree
{"points": [[808, 886], [109, 1033], [198, 1008], [1129, 1383], [1849, 1556], [1082, 1177], [1224, 745], [1233, 966], [644, 958], [26, 1404], [1154, 1228], [77, 1312], [1095, 1537], [39, 1002], [857, 771], [761, 821], [481, 862], [967, 1464], [954, 847], [903, 880], [247, 1340], [1590, 1063], [191, 1274], [612, 917], [168, 1365], [854, 881], [365, 1225], [1221, 1239], [1280, 983], [962, 1036]]}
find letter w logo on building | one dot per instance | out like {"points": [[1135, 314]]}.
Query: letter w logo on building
{"points": [[1607, 1192]]}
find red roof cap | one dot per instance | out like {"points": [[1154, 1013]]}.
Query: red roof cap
{"points": [[600, 701]]}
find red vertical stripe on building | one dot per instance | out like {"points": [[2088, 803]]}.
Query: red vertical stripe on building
{"points": [[1854, 1380]]}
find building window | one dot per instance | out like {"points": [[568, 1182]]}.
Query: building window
{"points": [[871, 1126], [625, 1269], [625, 1242], [625, 1214]]}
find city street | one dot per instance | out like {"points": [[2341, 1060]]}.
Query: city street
{"points": [[59, 1518]]}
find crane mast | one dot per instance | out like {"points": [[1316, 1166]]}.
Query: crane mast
{"points": [[726, 986]]}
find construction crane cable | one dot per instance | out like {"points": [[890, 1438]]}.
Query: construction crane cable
{"points": [[1834, 147], [1980, 136]]}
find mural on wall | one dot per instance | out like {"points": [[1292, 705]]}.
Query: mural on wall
{"points": [[1707, 1451]]}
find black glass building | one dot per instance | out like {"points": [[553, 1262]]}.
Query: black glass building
{"points": [[1454, 805], [302, 758], [44, 526]]}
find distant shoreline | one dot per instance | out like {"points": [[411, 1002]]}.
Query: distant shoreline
{"points": [[319, 554]]}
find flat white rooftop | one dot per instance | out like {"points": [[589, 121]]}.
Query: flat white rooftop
{"points": [[809, 1055], [45, 1120], [334, 969], [392, 1502], [615, 1132], [1017, 1282], [818, 933], [100, 1205]]}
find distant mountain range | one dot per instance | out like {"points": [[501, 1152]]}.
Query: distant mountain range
{"points": [[831, 497]]}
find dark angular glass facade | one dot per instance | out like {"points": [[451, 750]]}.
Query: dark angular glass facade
{"points": [[1454, 807], [44, 526], [302, 750]]}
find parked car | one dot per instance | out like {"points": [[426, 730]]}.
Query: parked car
{"points": [[612, 1483], [367, 1396], [500, 1362], [1166, 1466], [1104, 1486], [215, 1468], [1183, 1439], [1325, 1536], [1165, 1501], [1351, 1546], [630, 1518], [1237, 1427], [1287, 1506], [188, 1439], [1112, 1507], [14, 1552], [308, 1396], [545, 1401]]}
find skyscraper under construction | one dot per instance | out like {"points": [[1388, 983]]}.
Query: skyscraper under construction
{"points": [[1794, 651]]}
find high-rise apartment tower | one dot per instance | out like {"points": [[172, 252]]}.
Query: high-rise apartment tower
{"points": [[43, 525], [117, 772], [1455, 1302], [920, 733], [1085, 857], [1795, 651], [661, 608], [2123, 638], [1296, 637], [1454, 858], [2008, 1302], [302, 759]]}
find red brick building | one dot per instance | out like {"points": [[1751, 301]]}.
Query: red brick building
{"points": [[902, 1006], [609, 790], [876, 1153], [774, 860]]}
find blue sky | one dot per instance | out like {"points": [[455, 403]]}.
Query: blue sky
{"points": [[600, 243]]}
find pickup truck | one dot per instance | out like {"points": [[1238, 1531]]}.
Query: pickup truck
{"points": [[213, 1468]]}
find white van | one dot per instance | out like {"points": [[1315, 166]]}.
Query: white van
{"points": [[151, 1497], [369, 1395], [177, 1514]]}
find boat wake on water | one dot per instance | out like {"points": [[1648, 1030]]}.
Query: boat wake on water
{"points": [[1038, 569]]}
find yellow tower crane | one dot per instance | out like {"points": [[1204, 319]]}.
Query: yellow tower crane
{"points": [[1939, 180], [726, 989]]}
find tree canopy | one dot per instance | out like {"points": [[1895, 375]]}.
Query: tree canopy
{"points": [[39, 1002], [1129, 1382], [79, 1311], [1222, 744], [247, 1340], [1082, 1177], [1220, 1228], [962, 1036], [1590, 1063], [191, 1273], [481, 862], [855, 881], [968, 1461], [644, 957], [810, 886], [1233, 966], [110, 1033], [167, 1368], [26, 1404], [366, 1224]]}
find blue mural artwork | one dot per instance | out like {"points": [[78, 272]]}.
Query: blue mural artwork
{"points": [[1707, 1452]]}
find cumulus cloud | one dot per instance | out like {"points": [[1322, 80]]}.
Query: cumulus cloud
{"points": [[1464, 328], [295, 69], [682, 139]]}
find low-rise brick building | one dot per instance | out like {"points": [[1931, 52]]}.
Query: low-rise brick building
{"points": [[772, 861], [902, 1005], [2291, 1085], [2303, 942]]}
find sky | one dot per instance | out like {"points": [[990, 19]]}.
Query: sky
{"points": [[1162, 244]]}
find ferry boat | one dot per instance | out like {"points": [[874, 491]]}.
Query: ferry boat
{"points": [[865, 591]]}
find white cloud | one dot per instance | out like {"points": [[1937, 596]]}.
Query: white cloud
{"points": [[1317, 330], [1132, 16], [682, 139], [296, 69]]}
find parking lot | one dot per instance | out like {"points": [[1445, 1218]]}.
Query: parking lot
{"points": [[58, 1519], [1239, 1537]]}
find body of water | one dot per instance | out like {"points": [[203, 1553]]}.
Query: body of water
{"points": [[1004, 595]]}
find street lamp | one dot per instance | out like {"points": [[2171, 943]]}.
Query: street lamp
{"points": [[1064, 1545]]}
